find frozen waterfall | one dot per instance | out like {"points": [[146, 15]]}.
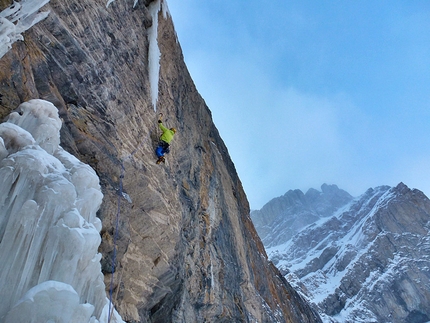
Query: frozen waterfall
{"points": [[49, 232], [18, 18]]}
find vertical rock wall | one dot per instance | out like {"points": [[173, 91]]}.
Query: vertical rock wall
{"points": [[186, 248]]}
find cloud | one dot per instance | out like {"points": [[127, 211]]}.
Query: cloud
{"points": [[303, 145], [279, 138], [300, 101]]}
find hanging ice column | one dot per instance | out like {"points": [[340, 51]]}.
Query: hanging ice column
{"points": [[49, 232], [154, 52]]}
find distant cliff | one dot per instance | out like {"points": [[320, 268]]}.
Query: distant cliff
{"points": [[368, 261], [185, 247]]}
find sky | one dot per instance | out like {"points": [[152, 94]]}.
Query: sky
{"points": [[306, 92]]}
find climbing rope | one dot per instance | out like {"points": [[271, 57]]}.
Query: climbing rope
{"points": [[115, 238], [117, 217]]}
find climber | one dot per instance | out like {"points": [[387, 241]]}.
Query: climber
{"points": [[165, 139]]}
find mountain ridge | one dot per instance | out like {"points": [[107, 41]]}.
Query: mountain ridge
{"points": [[368, 262], [300, 209]]}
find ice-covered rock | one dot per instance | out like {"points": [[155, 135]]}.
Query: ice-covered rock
{"points": [[18, 18], [40, 119], [61, 298], [49, 232]]}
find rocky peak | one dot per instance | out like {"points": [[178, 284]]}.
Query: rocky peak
{"points": [[282, 217], [178, 244], [368, 262]]}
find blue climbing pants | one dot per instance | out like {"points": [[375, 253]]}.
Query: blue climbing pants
{"points": [[162, 148]]}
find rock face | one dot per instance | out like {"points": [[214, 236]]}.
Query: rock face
{"points": [[180, 235], [367, 263], [295, 210]]}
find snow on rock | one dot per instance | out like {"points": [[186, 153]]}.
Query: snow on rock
{"points": [[18, 18], [49, 232], [286, 215], [366, 262]]}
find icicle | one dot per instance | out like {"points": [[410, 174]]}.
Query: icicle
{"points": [[18, 18], [110, 1], [154, 52], [62, 298], [165, 9]]}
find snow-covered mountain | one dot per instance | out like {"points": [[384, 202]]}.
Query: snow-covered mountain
{"points": [[286, 215], [369, 261]]}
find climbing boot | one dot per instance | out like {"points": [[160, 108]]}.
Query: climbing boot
{"points": [[160, 160]]}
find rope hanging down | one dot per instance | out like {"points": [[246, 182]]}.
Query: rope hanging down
{"points": [[117, 217]]}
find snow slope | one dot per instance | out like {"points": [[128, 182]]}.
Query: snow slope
{"points": [[286, 215]]}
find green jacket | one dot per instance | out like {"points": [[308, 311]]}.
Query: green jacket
{"points": [[167, 135]]}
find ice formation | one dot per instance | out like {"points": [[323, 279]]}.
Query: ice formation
{"points": [[154, 52], [23, 15], [18, 18], [110, 1], [49, 232]]}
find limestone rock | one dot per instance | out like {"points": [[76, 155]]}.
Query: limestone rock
{"points": [[186, 249]]}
